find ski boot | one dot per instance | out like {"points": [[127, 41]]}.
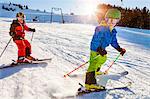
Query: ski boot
{"points": [[22, 60], [89, 88], [31, 58], [94, 87], [99, 73]]}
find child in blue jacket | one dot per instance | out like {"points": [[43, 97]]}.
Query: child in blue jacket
{"points": [[105, 34]]}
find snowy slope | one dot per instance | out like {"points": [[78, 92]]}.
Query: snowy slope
{"points": [[68, 45]]}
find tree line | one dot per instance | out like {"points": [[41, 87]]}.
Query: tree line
{"points": [[9, 7], [134, 18]]}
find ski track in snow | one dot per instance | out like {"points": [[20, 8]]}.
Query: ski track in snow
{"points": [[68, 45]]}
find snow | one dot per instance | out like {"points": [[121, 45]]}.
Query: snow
{"points": [[68, 45]]}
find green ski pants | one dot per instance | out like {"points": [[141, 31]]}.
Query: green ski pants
{"points": [[97, 63]]}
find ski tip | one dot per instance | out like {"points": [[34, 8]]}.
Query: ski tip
{"points": [[80, 84], [127, 72], [67, 75], [64, 76]]}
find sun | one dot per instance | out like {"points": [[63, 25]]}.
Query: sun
{"points": [[88, 7]]}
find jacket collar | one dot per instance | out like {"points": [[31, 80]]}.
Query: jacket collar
{"points": [[103, 23]]}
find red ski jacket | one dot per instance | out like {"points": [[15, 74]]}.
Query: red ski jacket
{"points": [[19, 29]]}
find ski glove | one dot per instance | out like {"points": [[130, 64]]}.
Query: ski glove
{"points": [[101, 51], [121, 50], [12, 34], [32, 30]]}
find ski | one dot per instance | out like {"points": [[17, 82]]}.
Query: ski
{"points": [[14, 64], [82, 90], [45, 59]]}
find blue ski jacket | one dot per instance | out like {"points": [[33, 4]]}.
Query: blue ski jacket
{"points": [[103, 37]]}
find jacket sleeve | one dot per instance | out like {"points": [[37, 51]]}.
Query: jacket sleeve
{"points": [[114, 42], [100, 37], [26, 27]]}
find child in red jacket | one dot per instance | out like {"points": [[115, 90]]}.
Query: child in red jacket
{"points": [[17, 31]]}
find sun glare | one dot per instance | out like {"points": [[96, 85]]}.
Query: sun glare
{"points": [[88, 7]]}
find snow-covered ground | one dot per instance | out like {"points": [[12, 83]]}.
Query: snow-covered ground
{"points": [[68, 45]]}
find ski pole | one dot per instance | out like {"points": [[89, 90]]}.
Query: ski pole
{"points": [[81, 66], [5, 47], [106, 71], [32, 36]]}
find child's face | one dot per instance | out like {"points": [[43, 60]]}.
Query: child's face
{"points": [[20, 19], [112, 22]]}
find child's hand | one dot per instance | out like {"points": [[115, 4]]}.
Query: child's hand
{"points": [[123, 51], [32, 30], [101, 51]]}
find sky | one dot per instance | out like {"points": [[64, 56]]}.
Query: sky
{"points": [[78, 6]]}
